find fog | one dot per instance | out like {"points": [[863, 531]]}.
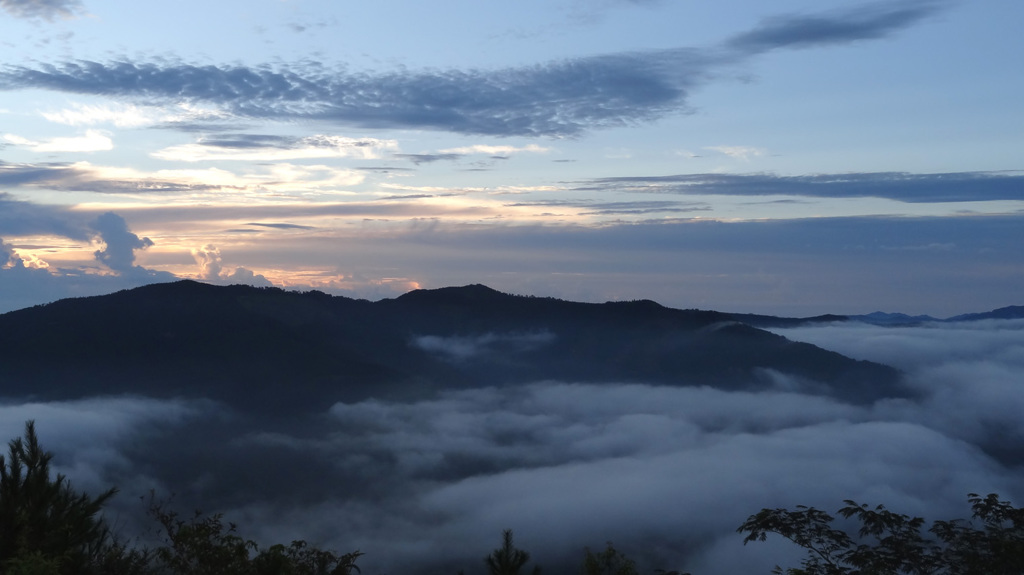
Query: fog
{"points": [[667, 474]]}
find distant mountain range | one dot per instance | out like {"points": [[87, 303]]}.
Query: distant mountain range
{"points": [[273, 351], [877, 318]]}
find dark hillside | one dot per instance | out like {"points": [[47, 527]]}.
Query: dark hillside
{"points": [[270, 349]]}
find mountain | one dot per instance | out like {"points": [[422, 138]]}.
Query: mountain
{"points": [[1009, 312], [883, 318], [874, 318], [278, 352], [771, 321]]}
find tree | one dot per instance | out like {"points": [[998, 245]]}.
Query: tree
{"points": [[205, 544], [508, 559], [893, 543], [607, 562], [45, 526]]}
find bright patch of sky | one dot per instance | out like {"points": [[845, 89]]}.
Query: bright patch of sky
{"points": [[263, 131]]}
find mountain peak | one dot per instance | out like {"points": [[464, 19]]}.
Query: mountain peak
{"points": [[463, 294]]}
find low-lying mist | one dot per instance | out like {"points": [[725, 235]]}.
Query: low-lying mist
{"points": [[665, 473]]}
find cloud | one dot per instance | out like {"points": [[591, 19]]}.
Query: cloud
{"points": [[453, 154], [122, 116], [267, 148], [22, 218], [120, 243], [496, 150], [92, 438], [8, 257], [900, 186], [568, 465], [211, 269], [849, 24], [426, 484], [462, 348], [84, 176], [25, 280], [280, 226], [92, 141], [559, 99], [428, 158], [643, 207], [739, 152], [45, 9], [638, 207], [967, 370]]}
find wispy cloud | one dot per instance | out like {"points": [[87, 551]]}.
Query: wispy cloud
{"points": [[848, 24], [559, 98], [429, 158], [496, 150], [45, 9], [84, 176], [464, 348], [91, 141], [267, 148], [942, 187], [739, 152], [121, 115]]}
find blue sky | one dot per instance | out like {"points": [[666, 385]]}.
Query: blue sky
{"points": [[791, 157]]}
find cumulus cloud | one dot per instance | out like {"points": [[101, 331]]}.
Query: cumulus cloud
{"points": [[45, 9], [561, 98], [7, 256], [26, 280], [211, 269], [120, 243]]}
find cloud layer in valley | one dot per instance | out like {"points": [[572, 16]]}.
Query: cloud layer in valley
{"points": [[665, 473]]}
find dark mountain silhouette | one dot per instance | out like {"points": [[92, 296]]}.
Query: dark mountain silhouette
{"points": [[770, 321], [1008, 312], [875, 318], [275, 351]]}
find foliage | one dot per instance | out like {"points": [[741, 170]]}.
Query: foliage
{"points": [[508, 559], [45, 526], [204, 544], [607, 562], [893, 543]]}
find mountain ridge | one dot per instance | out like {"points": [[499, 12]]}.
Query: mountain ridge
{"points": [[275, 350]]}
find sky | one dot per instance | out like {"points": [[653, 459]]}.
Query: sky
{"points": [[665, 473], [795, 157]]}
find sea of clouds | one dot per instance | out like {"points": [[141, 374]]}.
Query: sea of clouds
{"points": [[666, 474]]}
